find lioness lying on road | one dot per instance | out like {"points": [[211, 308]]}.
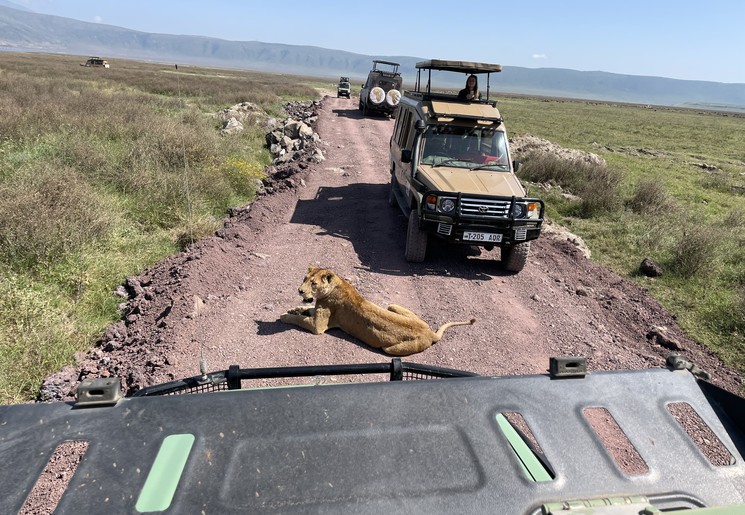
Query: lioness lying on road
{"points": [[397, 331]]}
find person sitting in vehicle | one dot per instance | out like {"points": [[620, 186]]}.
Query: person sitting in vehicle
{"points": [[471, 91]]}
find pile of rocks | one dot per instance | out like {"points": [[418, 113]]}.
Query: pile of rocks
{"points": [[294, 138], [235, 118], [294, 144], [527, 144]]}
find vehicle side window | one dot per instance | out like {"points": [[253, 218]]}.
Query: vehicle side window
{"points": [[403, 138], [397, 127]]}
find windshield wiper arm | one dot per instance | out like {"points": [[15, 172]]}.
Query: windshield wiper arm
{"points": [[445, 162], [481, 167]]}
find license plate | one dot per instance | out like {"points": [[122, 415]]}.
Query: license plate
{"points": [[486, 237]]}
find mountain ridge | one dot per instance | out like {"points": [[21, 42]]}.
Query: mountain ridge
{"points": [[22, 30]]}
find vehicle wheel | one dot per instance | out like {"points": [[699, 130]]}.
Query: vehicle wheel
{"points": [[515, 257], [416, 240]]}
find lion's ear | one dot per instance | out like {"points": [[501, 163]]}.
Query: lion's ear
{"points": [[311, 268], [327, 277]]}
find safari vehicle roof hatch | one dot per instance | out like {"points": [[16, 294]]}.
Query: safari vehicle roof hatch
{"points": [[452, 66], [445, 445]]}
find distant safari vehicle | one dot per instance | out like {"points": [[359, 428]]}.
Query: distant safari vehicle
{"points": [[344, 89], [381, 92], [96, 62]]}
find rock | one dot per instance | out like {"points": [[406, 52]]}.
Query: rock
{"points": [[292, 129], [305, 132], [650, 269], [661, 336], [317, 156], [245, 112], [232, 126]]}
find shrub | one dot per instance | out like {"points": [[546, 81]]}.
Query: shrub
{"points": [[694, 250], [48, 213], [596, 184], [650, 197]]}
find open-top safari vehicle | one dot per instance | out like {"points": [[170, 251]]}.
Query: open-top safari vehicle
{"points": [[455, 443], [451, 171]]}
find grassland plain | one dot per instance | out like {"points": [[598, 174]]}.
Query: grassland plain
{"points": [[680, 201], [104, 172]]}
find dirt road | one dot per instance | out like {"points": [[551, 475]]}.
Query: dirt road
{"points": [[335, 214]]}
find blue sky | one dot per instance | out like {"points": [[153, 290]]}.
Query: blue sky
{"points": [[678, 39]]}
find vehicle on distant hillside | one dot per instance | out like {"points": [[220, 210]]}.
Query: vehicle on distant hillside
{"points": [[96, 62], [381, 92]]}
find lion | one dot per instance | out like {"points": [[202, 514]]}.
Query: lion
{"points": [[396, 330]]}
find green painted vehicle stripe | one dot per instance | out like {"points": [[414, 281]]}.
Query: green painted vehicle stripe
{"points": [[531, 465], [164, 476]]}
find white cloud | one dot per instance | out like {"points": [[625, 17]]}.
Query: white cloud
{"points": [[97, 19], [539, 56]]}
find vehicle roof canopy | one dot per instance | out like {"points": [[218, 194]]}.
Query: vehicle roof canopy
{"points": [[466, 67], [394, 66], [458, 66], [386, 62]]}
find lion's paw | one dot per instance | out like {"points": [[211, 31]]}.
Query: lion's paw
{"points": [[301, 310]]}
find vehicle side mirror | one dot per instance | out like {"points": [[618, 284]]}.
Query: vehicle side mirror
{"points": [[406, 156], [419, 126], [515, 165]]}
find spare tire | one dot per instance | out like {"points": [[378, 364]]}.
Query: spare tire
{"points": [[393, 97], [377, 95]]}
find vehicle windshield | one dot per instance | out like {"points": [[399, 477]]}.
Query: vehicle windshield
{"points": [[343, 84], [482, 148]]}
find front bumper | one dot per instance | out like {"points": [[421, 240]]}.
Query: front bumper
{"points": [[483, 214]]}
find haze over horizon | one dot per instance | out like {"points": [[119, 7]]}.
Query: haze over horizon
{"points": [[675, 40]]}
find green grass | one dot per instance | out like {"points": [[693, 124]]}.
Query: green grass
{"points": [[680, 201], [104, 172]]}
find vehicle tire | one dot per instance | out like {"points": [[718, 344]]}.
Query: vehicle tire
{"points": [[416, 239], [515, 257]]}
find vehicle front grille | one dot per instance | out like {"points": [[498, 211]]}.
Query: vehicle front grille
{"points": [[484, 208]]}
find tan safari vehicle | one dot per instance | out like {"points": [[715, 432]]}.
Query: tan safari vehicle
{"points": [[96, 62], [451, 172]]}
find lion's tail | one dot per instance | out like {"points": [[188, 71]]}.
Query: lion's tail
{"points": [[443, 327]]}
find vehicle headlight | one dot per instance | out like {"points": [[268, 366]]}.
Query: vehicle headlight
{"points": [[393, 97], [447, 205], [377, 95], [534, 210], [519, 210]]}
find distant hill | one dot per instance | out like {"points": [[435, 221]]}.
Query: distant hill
{"points": [[21, 30]]}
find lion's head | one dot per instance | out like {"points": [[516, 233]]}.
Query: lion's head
{"points": [[317, 284]]}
